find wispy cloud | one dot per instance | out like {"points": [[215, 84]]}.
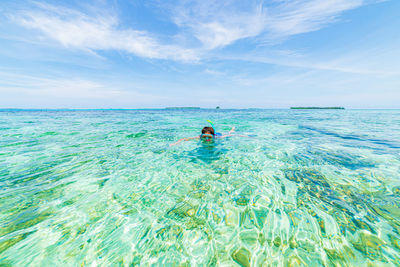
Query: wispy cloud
{"points": [[214, 72], [294, 17], [75, 29], [217, 24], [67, 91], [346, 64]]}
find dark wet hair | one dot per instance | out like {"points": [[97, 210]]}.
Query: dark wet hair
{"points": [[208, 130]]}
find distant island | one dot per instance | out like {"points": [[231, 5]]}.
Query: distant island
{"points": [[182, 108], [316, 107]]}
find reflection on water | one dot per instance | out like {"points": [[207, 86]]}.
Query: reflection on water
{"points": [[94, 187]]}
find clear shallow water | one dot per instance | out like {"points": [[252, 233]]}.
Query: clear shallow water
{"points": [[103, 187]]}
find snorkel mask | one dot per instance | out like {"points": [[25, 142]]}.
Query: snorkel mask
{"points": [[207, 137]]}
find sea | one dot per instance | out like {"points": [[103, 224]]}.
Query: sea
{"points": [[288, 188]]}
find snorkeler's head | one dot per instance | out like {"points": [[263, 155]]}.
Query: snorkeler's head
{"points": [[208, 130], [207, 134]]}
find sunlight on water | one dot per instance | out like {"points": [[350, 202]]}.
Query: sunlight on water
{"points": [[317, 188]]}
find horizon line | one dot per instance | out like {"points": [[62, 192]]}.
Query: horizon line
{"points": [[192, 109]]}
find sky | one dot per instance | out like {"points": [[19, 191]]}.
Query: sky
{"points": [[203, 53]]}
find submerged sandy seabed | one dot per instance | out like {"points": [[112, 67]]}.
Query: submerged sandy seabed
{"points": [[103, 187]]}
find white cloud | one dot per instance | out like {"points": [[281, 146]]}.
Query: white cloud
{"points": [[214, 72], [294, 17], [220, 23], [77, 30], [215, 24]]}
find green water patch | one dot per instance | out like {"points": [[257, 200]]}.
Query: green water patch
{"points": [[45, 172], [181, 211], [49, 134], [371, 246], [242, 257], [313, 180], [137, 135], [24, 220], [20, 143], [8, 243], [52, 193], [342, 159], [314, 187]]}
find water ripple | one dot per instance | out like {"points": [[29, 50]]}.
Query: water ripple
{"points": [[104, 188]]}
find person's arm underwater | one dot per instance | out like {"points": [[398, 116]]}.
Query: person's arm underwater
{"points": [[184, 139], [230, 133]]}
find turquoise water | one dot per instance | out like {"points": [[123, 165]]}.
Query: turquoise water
{"points": [[101, 188]]}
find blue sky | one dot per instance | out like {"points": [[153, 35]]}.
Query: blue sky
{"points": [[233, 54]]}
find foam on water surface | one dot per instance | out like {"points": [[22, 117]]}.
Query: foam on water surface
{"points": [[103, 187]]}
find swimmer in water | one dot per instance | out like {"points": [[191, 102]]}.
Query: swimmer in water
{"points": [[207, 134]]}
